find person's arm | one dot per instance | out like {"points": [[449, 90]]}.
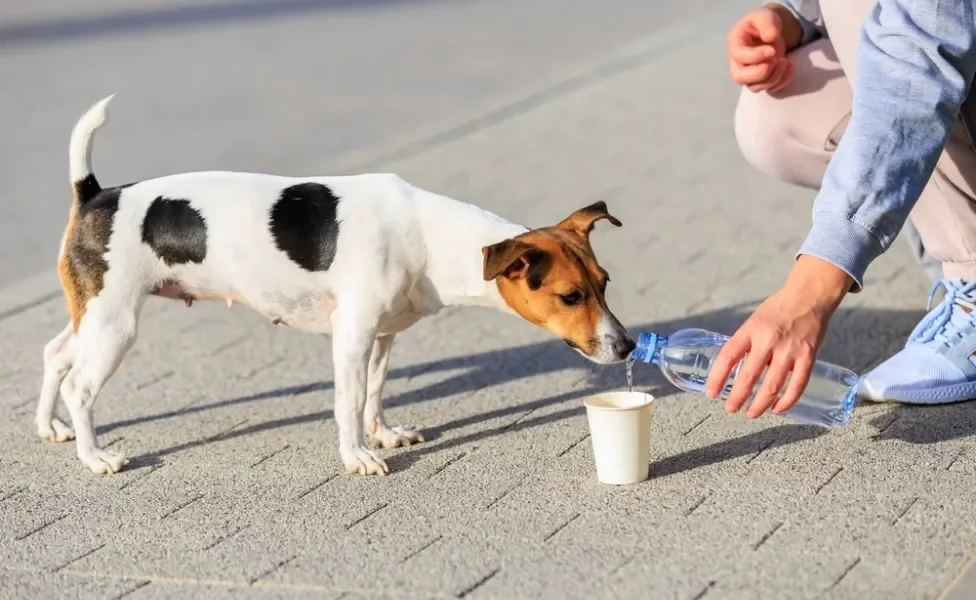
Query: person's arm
{"points": [[915, 64], [802, 22]]}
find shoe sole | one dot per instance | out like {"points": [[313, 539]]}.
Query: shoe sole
{"points": [[951, 394]]}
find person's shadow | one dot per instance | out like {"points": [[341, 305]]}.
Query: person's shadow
{"points": [[858, 339], [817, 64]]}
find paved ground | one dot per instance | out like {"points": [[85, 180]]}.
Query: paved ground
{"points": [[234, 488]]}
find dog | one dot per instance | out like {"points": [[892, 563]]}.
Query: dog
{"points": [[360, 257]]}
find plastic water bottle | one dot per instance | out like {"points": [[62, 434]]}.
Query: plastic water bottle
{"points": [[686, 357]]}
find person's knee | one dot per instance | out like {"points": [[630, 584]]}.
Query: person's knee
{"points": [[766, 138], [759, 132]]}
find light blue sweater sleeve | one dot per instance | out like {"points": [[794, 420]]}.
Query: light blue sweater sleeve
{"points": [[915, 64], [807, 12]]}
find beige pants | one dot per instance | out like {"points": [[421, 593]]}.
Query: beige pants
{"points": [[791, 135]]}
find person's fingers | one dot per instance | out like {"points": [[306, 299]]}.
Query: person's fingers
{"points": [[728, 357], [772, 383], [747, 377], [767, 26], [786, 78], [774, 77], [752, 74], [742, 34], [802, 367], [750, 54]]}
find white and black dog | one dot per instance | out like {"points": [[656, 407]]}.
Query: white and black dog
{"points": [[361, 257]]}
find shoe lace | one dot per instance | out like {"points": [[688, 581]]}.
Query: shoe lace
{"points": [[954, 316]]}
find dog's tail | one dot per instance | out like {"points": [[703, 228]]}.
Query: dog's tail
{"points": [[83, 180]]}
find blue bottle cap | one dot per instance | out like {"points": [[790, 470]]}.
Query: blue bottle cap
{"points": [[646, 345]]}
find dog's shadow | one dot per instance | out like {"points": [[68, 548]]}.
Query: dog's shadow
{"points": [[859, 339], [144, 461], [476, 372]]}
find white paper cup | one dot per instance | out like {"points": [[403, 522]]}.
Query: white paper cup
{"points": [[620, 429]]}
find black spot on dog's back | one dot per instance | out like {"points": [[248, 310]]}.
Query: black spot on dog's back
{"points": [[175, 231], [304, 225]]}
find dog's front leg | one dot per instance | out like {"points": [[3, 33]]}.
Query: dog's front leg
{"points": [[388, 437], [352, 342]]}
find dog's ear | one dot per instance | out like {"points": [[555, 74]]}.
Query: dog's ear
{"points": [[509, 258], [581, 221]]}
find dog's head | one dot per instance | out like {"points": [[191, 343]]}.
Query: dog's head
{"points": [[551, 278]]}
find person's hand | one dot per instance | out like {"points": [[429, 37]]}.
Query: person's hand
{"points": [[785, 334], [757, 47]]}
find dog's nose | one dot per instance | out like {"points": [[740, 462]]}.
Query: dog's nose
{"points": [[624, 347]]}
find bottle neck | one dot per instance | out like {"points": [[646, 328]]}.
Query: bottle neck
{"points": [[649, 347]]}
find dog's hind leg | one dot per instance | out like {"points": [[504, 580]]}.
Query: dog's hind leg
{"points": [[387, 436], [59, 356], [105, 335]]}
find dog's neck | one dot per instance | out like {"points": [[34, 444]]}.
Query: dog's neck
{"points": [[455, 233]]}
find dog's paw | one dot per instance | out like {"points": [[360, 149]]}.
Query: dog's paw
{"points": [[55, 431], [396, 436], [363, 461], [103, 462]]}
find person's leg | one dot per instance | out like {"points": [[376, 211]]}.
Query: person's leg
{"points": [[791, 136], [931, 266], [938, 364]]}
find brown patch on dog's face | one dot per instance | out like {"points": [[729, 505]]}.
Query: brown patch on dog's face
{"points": [[551, 278]]}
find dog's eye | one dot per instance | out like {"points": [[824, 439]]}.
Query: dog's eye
{"points": [[572, 298]]}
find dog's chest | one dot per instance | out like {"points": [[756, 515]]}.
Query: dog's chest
{"points": [[407, 308]]}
